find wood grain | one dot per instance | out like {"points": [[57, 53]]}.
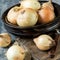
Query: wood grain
{"points": [[36, 53]]}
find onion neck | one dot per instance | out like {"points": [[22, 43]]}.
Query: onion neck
{"points": [[50, 1]]}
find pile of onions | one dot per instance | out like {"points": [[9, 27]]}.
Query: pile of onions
{"points": [[44, 42], [26, 14], [46, 14]]}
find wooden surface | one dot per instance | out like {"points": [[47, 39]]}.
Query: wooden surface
{"points": [[36, 53]]}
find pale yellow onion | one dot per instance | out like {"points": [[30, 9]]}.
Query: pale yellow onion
{"points": [[44, 42], [15, 52], [31, 4], [5, 39], [12, 14], [27, 17]]}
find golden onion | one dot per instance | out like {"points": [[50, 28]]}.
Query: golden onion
{"points": [[27, 17], [44, 42]]}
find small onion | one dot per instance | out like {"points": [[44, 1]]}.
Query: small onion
{"points": [[15, 52], [46, 14], [5, 39], [12, 14], [31, 4], [44, 42], [27, 17]]}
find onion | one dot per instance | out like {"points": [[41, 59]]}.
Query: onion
{"points": [[15, 52], [44, 42], [46, 15], [31, 4], [27, 17], [12, 14], [5, 39]]}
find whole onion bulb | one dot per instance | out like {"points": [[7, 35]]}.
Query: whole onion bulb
{"points": [[12, 14], [5, 39], [31, 4], [44, 42], [46, 15], [27, 17], [17, 52]]}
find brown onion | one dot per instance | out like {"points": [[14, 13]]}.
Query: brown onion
{"points": [[46, 15]]}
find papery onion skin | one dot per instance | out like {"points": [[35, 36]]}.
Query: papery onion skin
{"points": [[44, 42], [46, 14], [27, 18]]}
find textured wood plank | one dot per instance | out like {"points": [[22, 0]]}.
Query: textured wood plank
{"points": [[36, 53]]}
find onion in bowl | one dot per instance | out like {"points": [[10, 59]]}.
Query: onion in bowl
{"points": [[27, 17], [47, 13], [12, 14], [44, 42], [31, 4]]}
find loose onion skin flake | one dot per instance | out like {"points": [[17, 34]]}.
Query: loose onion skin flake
{"points": [[31, 4], [5, 39]]}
